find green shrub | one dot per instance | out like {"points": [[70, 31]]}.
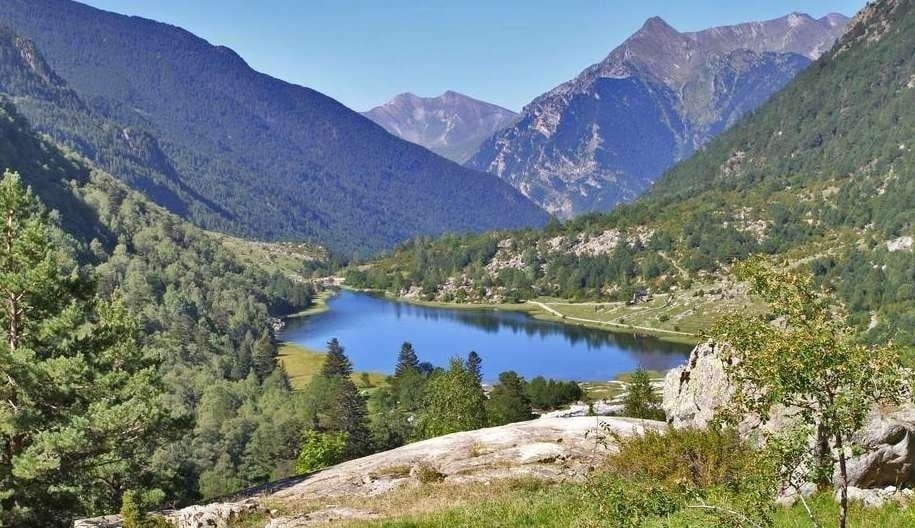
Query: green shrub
{"points": [[708, 470], [320, 450], [134, 516], [640, 400]]}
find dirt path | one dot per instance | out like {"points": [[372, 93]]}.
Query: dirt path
{"points": [[563, 316]]}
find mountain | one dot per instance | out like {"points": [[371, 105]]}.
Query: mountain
{"points": [[238, 151], [604, 137], [451, 125], [821, 176]]}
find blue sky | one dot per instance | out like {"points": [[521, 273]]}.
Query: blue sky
{"points": [[362, 53]]}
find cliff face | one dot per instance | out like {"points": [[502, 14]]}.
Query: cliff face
{"points": [[605, 136]]}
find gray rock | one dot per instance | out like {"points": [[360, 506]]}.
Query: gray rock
{"points": [[876, 497], [694, 393], [889, 443]]}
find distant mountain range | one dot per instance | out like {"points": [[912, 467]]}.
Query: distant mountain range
{"points": [[607, 135], [821, 177], [451, 125], [196, 129]]}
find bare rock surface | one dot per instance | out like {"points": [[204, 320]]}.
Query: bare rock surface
{"points": [[547, 448]]}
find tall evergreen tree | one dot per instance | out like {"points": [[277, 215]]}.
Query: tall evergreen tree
{"points": [[339, 406], [406, 360], [475, 365], [336, 365], [80, 403], [263, 358]]}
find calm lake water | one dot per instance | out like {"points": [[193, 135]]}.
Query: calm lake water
{"points": [[371, 330]]}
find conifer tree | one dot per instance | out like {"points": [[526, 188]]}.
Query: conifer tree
{"points": [[80, 403], [263, 357], [475, 365], [508, 403], [336, 365], [406, 360], [341, 408], [641, 401]]}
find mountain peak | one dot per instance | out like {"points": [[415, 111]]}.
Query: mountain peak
{"points": [[452, 125], [656, 25]]}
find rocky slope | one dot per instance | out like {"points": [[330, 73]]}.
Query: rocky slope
{"points": [[255, 156], [607, 135], [553, 449], [451, 125]]}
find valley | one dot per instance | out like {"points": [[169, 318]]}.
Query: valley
{"points": [[675, 290]]}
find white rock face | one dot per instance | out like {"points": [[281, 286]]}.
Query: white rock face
{"points": [[903, 243]]}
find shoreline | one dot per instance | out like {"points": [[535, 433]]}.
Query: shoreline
{"points": [[541, 311]]}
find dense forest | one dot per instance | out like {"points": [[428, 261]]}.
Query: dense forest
{"points": [[197, 315], [820, 176]]}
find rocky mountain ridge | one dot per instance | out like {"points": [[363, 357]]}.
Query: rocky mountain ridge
{"points": [[452, 125], [605, 136]]}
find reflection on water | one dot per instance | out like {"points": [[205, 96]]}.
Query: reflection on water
{"points": [[372, 329]]}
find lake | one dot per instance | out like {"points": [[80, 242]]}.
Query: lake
{"points": [[372, 329]]}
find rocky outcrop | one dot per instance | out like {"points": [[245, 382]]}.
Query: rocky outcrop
{"points": [[551, 449], [888, 440], [694, 393]]}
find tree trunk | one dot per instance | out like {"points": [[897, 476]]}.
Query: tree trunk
{"points": [[843, 482]]}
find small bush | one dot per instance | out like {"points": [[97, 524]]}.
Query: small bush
{"points": [[134, 516], [320, 450], [427, 474], [661, 471]]}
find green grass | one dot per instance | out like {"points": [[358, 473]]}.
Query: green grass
{"points": [[289, 258], [318, 304], [564, 505], [608, 390], [302, 364], [678, 316]]}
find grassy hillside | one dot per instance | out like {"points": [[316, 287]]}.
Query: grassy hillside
{"points": [[821, 176]]}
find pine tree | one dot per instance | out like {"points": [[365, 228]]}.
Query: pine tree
{"points": [[406, 360], [475, 366], [641, 401], [336, 365], [80, 403], [263, 357], [507, 403], [341, 408]]}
